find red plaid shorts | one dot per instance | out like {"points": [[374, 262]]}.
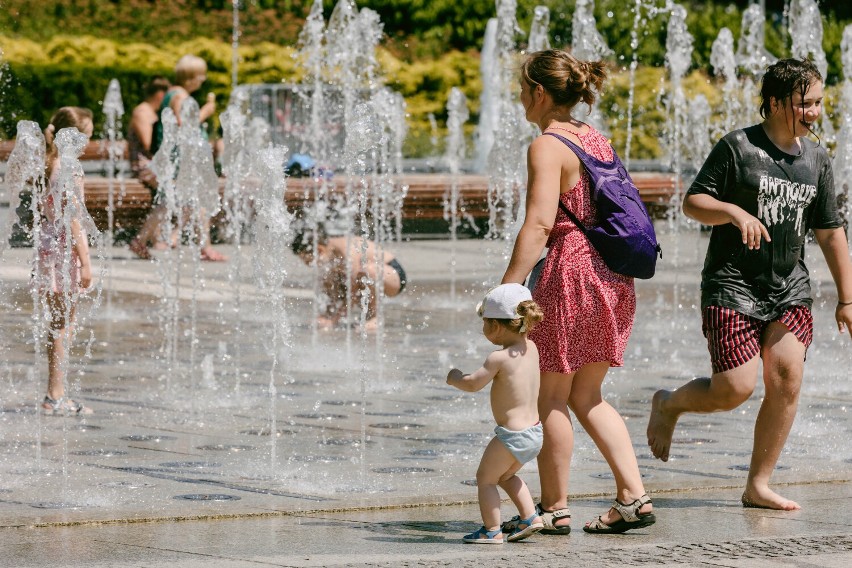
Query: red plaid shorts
{"points": [[734, 338]]}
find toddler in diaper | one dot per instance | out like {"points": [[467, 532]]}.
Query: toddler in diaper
{"points": [[508, 313]]}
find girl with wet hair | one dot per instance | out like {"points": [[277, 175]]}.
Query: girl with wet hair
{"points": [[66, 117], [762, 189], [588, 309], [785, 78], [60, 277]]}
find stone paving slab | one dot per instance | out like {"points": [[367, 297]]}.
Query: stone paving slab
{"points": [[356, 428], [698, 528]]}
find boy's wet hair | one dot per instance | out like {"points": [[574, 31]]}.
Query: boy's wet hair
{"points": [[530, 313], [303, 240], [784, 78], [157, 84]]}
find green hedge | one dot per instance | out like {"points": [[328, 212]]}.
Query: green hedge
{"points": [[415, 29], [76, 71]]}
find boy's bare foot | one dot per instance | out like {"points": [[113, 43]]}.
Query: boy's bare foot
{"points": [[660, 426], [211, 254], [766, 498], [140, 249], [371, 325]]}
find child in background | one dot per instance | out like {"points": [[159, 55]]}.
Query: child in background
{"points": [[59, 281], [508, 314], [331, 260], [190, 75]]}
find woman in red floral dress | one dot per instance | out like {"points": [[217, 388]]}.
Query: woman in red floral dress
{"points": [[588, 309]]}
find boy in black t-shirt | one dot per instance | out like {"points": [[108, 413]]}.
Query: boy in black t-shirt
{"points": [[763, 185]]}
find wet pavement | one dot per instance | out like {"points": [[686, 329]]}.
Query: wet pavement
{"points": [[373, 456]]}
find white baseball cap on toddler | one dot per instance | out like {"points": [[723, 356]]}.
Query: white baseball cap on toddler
{"points": [[502, 302]]}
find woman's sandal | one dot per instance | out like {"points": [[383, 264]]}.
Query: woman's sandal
{"points": [[63, 405], [548, 519], [631, 518]]}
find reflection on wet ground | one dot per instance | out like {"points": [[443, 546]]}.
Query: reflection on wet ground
{"points": [[354, 425]]}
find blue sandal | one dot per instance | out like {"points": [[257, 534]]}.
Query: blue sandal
{"points": [[525, 528], [482, 536]]}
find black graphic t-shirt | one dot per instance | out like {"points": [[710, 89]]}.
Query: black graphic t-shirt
{"points": [[790, 195]]}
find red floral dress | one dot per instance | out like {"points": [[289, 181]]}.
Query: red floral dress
{"points": [[588, 309]]}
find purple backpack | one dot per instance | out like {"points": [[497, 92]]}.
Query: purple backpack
{"points": [[624, 235]]}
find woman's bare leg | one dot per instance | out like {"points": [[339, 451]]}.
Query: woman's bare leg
{"points": [[554, 460], [607, 429]]}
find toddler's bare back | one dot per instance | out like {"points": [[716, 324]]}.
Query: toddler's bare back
{"points": [[514, 392]]}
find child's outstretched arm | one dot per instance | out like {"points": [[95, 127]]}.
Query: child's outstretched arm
{"points": [[835, 248], [479, 378], [81, 246]]}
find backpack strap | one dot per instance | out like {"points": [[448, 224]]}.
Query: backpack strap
{"points": [[583, 156], [572, 216]]}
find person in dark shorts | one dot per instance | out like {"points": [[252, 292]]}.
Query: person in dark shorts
{"points": [[762, 189], [140, 136], [365, 268]]}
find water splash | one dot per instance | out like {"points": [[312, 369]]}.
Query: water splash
{"points": [[113, 108], [588, 44], [699, 133], [642, 11], [310, 58], [678, 60], [24, 182], [273, 226], [724, 63], [843, 154], [586, 41], [24, 170], [505, 165], [457, 116], [235, 42], [753, 59], [237, 161], [488, 97], [806, 33], [390, 110], [752, 55], [164, 166], [197, 193], [538, 39]]}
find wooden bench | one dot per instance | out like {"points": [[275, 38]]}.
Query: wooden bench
{"points": [[656, 189], [424, 200], [94, 150]]}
